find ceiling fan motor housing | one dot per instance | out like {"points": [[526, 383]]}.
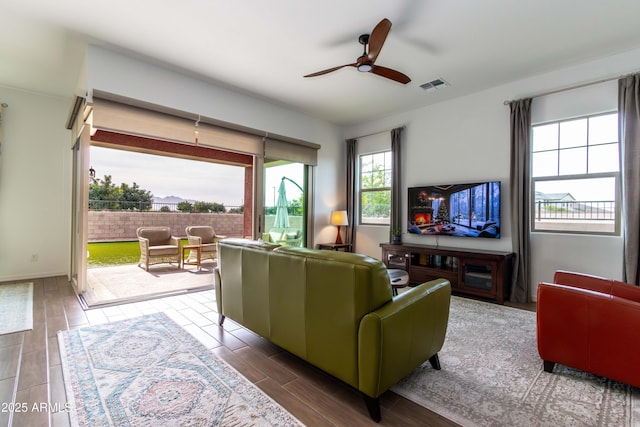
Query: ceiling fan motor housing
{"points": [[363, 64]]}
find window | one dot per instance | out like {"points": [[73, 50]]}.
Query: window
{"points": [[375, 188], [575, 171]]}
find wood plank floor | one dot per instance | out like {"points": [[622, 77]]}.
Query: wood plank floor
{"points": [[31, 373]]}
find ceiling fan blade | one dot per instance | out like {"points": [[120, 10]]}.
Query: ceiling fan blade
{"points": [[377, 38], [391, 74], [329, 70]]}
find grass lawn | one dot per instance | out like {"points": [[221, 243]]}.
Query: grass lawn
{"points": [[106, 254]]}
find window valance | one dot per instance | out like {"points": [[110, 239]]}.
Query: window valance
{"points": [[114, 113]]}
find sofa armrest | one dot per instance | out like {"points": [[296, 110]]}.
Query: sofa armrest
{"points": [[588, 330], [401, 335], [562, 327], [217, 281]]}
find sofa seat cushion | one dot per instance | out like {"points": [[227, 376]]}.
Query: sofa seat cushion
{"points": [[163, 250]]}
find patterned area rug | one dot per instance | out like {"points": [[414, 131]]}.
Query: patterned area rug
{"points": [[148, 371], [492, 376], [16, 307]]}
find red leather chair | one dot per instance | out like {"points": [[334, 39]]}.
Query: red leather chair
{"points": [[592, 324]]}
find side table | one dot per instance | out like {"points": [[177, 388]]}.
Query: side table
{"points": [[346, 247], [398, 278]]}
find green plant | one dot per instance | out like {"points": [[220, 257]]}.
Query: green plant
{"points": [[105, 254], [185, 207], [104, 194]]}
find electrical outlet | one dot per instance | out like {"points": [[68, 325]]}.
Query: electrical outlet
{"points": [[34, 257]]}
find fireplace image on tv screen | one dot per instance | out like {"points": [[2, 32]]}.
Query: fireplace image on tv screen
{"points": [[466, 210]]}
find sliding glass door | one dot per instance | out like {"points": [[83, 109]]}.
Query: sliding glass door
{"points": [[80, 188], [286, 203]]}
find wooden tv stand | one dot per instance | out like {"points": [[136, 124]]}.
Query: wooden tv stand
{"points": [[485, 274]]}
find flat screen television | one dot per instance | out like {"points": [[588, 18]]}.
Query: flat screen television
{"points": [[466, 210]]}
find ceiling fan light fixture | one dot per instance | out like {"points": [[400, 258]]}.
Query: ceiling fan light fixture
{"points": [[365, 68]]}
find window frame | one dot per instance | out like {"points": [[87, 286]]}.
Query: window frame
{"points": [[616, 175], [362, 191]]}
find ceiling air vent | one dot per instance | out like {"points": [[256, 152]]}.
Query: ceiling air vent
{"points": [[434, 84]]}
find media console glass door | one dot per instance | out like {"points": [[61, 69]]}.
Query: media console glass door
{"points": [[479, 277]]}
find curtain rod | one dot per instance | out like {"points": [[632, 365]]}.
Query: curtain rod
{"points": [[379, 132], [578, 86]]}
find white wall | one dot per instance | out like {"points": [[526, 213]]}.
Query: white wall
{"points": [[35, 191], [467, 139]]}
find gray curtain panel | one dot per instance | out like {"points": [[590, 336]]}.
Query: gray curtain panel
{"points": [[352, 158], [629, 131], [520, 212], [396, 181]]}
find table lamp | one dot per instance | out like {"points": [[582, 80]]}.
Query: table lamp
{"points": [[339, 218]]}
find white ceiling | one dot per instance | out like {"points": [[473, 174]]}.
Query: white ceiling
{"points": [[264, 47]]}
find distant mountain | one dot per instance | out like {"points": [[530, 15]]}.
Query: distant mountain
{"points": [[171, 199]]}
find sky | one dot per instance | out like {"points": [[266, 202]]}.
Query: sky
{"points": [[189, 179], [595, 189], [273, 178]]}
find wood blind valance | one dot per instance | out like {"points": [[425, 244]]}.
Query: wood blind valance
{"points": [[114, 113], [300, 152], [122, 118]]}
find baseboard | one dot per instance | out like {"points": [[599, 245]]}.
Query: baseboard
{"points": [[29, 277]]}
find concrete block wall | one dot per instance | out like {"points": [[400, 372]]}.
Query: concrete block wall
{"points": [[109, 226]]}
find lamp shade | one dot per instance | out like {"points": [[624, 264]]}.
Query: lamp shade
{"points": [[339, 218]]}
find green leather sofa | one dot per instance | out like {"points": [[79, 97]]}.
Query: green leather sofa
{"points": [[333, 309]]}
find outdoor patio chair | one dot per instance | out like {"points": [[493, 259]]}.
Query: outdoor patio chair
{"points": [[205, 237], [157, 245], [284, 236]]}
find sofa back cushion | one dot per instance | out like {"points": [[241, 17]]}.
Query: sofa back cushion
{"points": [[318, 299], [625, 290], [598, 284], [308, 302], [584, 281], [157, 235], [244, 271]]}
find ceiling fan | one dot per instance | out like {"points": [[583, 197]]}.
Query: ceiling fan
{"points": [[366, 62]]}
